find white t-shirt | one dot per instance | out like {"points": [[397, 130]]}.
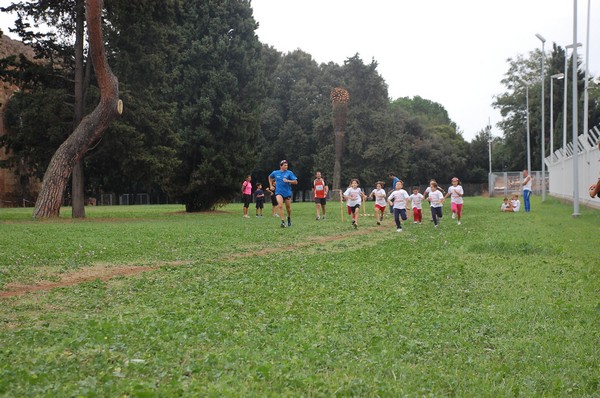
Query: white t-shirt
{"points": [[436, 198], [416, 200], [379, 195], [454, 192], [527, 185], [354, 196], [399, 198], [516, 204]]}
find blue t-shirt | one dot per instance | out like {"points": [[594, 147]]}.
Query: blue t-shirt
{"points": [[283, 188]]}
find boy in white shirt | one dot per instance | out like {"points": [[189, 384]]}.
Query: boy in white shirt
{"points": [[436, 200], [417, 199], [399, 200]]}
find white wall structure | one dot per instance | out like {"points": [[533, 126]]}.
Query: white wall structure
{"points": [[560, 168]]}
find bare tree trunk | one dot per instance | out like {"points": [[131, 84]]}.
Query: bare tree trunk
{"points": [[91, 127], [77, 178], [339, 99]]}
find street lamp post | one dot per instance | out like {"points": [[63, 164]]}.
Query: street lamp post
{"points": [[587, 75], [574, 123], [556, 76], [567, 47], [543, 122], [528, 141]]}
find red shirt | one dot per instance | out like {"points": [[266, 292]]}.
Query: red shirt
{"points": [[319, 185]]}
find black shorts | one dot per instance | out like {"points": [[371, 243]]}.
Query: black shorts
{"points": [[247, 199], [321, 201], [260, 203]]}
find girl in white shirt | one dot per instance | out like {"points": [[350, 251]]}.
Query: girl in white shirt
{"points": [[353, 196], [379, 194], [456, 193]]}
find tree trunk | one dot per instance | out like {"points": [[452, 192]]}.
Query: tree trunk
{"points": [[340, 112], [77, 178], [91, 127]]}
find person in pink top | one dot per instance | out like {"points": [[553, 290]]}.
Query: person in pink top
{"points": [[247, 195]]}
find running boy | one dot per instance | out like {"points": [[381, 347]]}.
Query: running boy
{"points": [[436, 200], [353, 195], [398, 199], [417, 200], [379, 194]]}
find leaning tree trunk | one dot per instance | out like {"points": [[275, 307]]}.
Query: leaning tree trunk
{"points": [[339, 99], [91, 127], [77, 176]]}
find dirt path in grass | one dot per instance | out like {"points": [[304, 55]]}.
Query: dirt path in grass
{"points": [[105, 272]]}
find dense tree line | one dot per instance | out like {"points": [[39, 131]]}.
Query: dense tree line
{"points": [[206, 103]]}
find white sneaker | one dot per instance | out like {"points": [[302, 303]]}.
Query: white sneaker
{"points": [[399, 230], [453, 216], [436, 225], [458, 223]]}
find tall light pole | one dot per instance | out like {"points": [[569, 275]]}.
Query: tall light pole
{"points": [[556, 76], [528, 142], [489, 130], [567, 47], [587, 75], [574, 123], [543, 122]]}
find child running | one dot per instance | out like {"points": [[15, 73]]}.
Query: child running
{"points": [[456, 193], [399, 200], [417, 199], [353, 195], [379, 194], [436, 200]]}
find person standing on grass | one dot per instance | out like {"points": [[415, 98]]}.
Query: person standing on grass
{"points": [[353, 196], [398, 200], [417, 205], [436, 201], [526, 183], [320, 190], [247, 194], [281, 181], [380, 203], [259, 196], [456, 193]]}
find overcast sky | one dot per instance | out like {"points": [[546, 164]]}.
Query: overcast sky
{"points": [[452, 52]]}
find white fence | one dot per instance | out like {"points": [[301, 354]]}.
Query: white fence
{"points": [[560, 167], [504, 184]]}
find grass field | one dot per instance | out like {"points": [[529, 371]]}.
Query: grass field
{"points": [[147, 301]]}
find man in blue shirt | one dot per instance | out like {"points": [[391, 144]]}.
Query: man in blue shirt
{"points": [[283, 179]]}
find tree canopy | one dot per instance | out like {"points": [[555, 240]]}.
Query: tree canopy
{"points": [[207, 104]]}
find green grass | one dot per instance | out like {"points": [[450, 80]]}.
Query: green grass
{"points": [[503, 305]]}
